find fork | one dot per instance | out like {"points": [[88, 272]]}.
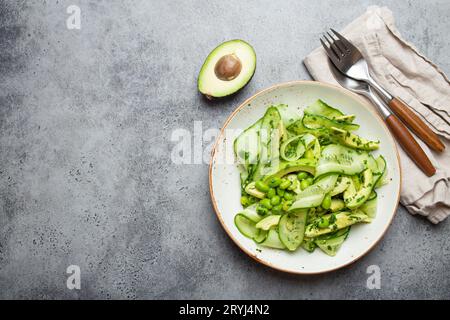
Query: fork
{"points": [[349, 60], [398, 129]]}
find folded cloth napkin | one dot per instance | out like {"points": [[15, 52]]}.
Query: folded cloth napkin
{"points": [[399, 67]]}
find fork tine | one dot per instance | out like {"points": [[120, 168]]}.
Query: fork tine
{"points": [[333, 46], [348, 45], [330, 53], [338, 43]]}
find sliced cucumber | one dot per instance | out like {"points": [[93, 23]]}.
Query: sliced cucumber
{"points": [[313, 195], [382, 172], [292, 149], [339, 159], [288, 115], [246, 226], [273, 240], [330, 245], [291, 229], [372, 196], [262, 235], [269, 136], [327, 183], [251, 214], [298, 128], [315, 121], [321, 108], [268, 222], [247, 149], [370, 206], [308, 198]]}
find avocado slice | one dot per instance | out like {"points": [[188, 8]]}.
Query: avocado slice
{"points": [[227, 69], [286, 167], [354, 141], [355, 200]]}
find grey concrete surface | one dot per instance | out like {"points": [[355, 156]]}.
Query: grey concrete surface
{"points": [[85, 172]]}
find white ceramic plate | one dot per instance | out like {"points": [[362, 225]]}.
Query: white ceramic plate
{"points": [[225, 185]]}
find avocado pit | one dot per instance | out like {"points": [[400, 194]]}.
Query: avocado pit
{"points": [[228, 67]]}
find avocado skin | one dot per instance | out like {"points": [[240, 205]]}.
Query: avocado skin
{"points": [[213, 97]]}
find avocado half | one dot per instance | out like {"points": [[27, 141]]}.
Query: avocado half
{"points": [[227, 69]]}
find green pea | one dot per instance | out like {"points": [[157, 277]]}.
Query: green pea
{"points": [[302, 175], [266, 203], [277, 208], [284, 184], [280, 192], [326, 202], [261, 186], [323, 223], [287, 205], [271, 193], [288, 196], [275, 200], [305, 184], [274, 182], [261, 210], [309, 154], [245, 201]]}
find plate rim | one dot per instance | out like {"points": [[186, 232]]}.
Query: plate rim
{"points": [[366, 105]]}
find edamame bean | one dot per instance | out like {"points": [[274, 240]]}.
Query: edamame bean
{"points": [[286, 205], [266, 203], [272, 192], [288, 196], [244, 201], [274, 182], [275, 200], [326, 202], [277, 208], [323, 223], [302, 175], [261, 210], [305, 184], [261, 186], [280, 192], [284, 184], [294, 185]]}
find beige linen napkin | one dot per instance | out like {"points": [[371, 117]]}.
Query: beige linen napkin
{"points": [[400, 68]]}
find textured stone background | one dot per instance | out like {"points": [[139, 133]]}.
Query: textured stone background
{"points": [[85, 172]]}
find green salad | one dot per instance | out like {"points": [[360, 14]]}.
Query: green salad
{"points": [[307, 179]]}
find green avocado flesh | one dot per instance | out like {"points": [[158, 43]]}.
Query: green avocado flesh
{"points": [[227, 69]]}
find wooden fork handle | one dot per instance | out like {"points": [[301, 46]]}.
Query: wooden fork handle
{"points": [[410, 145], [422, 130]]}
